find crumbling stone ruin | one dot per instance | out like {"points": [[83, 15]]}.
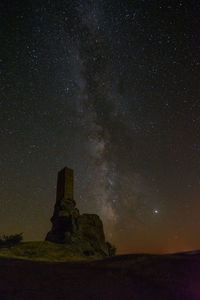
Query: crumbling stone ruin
{"points": [[69, 227]]}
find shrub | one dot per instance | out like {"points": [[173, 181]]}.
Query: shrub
{"points": [[111, 249], [11, 240]]}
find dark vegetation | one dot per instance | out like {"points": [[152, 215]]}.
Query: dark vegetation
{"points": [[10, 240]]}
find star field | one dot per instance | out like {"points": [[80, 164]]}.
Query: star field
{"points": [[111, 90]]}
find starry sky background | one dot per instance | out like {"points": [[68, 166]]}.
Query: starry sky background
{"points": [[110, 89]]}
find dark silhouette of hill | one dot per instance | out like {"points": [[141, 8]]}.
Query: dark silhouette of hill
{"points": [[136, 276]]}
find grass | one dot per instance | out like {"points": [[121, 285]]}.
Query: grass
{"points": [[44, 251]]}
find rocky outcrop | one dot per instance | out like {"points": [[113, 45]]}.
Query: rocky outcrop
{"points": [[83, 231], [64, 221]]}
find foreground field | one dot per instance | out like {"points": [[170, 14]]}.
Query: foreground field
{"points": [[122, 277]]}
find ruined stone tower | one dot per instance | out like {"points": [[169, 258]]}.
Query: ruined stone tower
{"points": [[65, 184], [84, 232]]}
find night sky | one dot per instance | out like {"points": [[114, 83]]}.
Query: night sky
{"points": [[110, 89]]}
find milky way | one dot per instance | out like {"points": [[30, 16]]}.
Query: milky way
{"points": [[111, 90]]}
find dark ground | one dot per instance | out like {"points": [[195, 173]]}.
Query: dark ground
{"points": [[121, 277]]}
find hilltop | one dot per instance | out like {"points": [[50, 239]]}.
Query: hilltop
{"points": [[46, 251]]}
